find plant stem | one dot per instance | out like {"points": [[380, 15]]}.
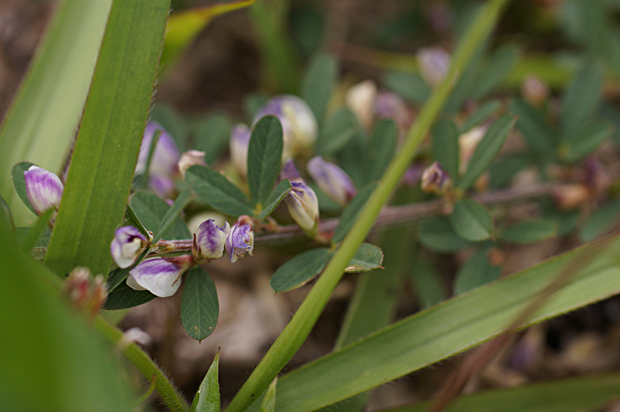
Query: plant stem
{"points": [[306, 316], [145, 364]]}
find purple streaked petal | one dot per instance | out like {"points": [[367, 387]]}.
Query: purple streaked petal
{"points": [[159, 276], [210, 240], [239, 241], [166, 154], [303, 205], [127, 245], [289, 171], [332, 180], [162, 185], [44, 189], [239, 143]]}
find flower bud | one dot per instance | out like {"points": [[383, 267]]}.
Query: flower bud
{"points": [[127, 245], [361, 100], [166, 155], [534, 90], [44, 189], [299, 125], [434, 64], [303, 206], [571, 195], [468, 142], [160, 276], [435, 179], [84, 292], [134, 335], [332, 180], [389, 105], [239, 143], [189, 159], [240, 240], [209, 240]]}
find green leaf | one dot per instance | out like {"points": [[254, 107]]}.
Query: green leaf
{"points": [[41, 123], [264, 157], [200, 307], [42, 241], [566, 395], [218, 192], [19, 183], [6, 217], [410, 86], [207, 398], [36, 230], [531, 232], [168, 117], [486, 150], [428, 286], [504, 170], [318, 83], [581, 99], [381, 148], [368, 257], [483, 113], [445, 146], [349, 214], [337, 132], [74, 370], [132, 219], [275, 198], [471, 220], [534, 129], [151, 210], [269, 401], [124, 297], [452, 327], [438, 235], [109, 138], [211, 135], [477, 271], [601, 221], [299, 270], [581, 143], [491, 74], [611, 115], [171, 218]]}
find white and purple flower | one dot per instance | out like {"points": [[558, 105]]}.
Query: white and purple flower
{"points": [[332, 180], [44, 190], [434, 64], [435, 179], [301, 201], [164, 163], [239, 144], [127, 245], [189, 159], [160, 276], [240, 240], [299, 125], [209, 240]]}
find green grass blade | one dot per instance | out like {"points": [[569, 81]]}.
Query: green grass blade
{"points": [[208, 397], [568, 395], [449, 328], [293, 336], [41, 123], [36, 231], [172, 215], [109, 140]]}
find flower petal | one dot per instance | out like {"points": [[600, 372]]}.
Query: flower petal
{"points": [[159, 276], [44, 189]]}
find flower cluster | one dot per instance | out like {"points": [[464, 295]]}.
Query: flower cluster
{"points": [[161, 275]]}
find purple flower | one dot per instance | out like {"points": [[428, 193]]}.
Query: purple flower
{"points": [[434, 64], [162, 185], [240, 240], [332, 180], [298, 123], [435, 179], [239, 143], [209, 240], [160, 276], [44, 189], [303, 206], [127, 245], [289, 171], [389, 105], [166, 155]]}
